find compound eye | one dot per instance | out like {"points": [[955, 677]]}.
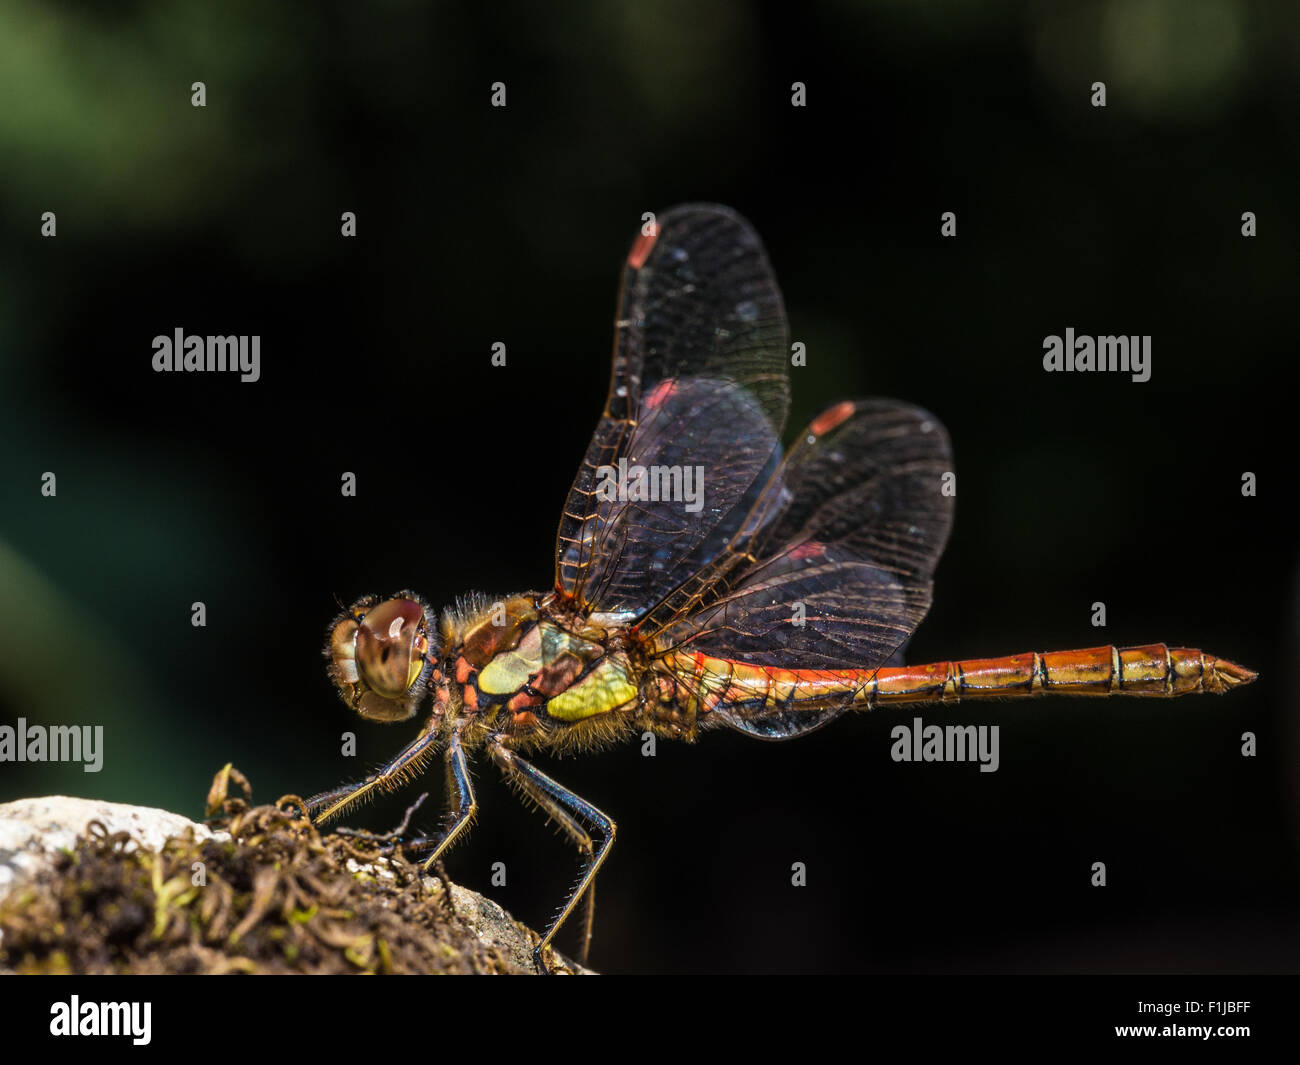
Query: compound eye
{"points": [[342, 652], [391, 645]]}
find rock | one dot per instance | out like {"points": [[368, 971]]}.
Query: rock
{"points": [[472, 934], [32, 831]]}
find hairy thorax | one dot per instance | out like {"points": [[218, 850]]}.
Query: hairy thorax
{"points": [[525, 668]]}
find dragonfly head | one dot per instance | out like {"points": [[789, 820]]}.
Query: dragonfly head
{"points": [[380, 655]]}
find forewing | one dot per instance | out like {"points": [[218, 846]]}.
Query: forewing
{"points": [[698, 399], [834, 566]]}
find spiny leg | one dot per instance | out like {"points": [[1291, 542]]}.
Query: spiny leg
{"points": [[572, 805], [579, 836], [408, 761], [465, 806], [462, 793]]}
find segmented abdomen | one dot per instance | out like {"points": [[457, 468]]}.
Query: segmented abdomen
{"points": [[704, 684]]}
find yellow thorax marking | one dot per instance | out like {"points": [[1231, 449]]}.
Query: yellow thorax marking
{"points": [[603, 689], [509, 671]]}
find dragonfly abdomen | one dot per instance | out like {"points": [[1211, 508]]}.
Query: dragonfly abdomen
{"points": [[701, 684], [1152, 670], [706, 684]]}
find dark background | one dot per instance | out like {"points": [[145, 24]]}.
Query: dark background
{"points": [[479, 225]]}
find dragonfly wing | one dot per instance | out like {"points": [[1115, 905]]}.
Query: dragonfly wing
{"points": [[696, 407], [833, 567]]}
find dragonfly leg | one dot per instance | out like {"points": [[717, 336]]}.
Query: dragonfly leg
{"points": [[556, 799], [407, 763], [464, 805], [579, 836], [462, 793]]}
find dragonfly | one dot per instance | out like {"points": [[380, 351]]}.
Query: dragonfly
{"points": [[704, 576]]}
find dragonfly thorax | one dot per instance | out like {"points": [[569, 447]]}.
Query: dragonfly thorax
{"points": [[527, 670]]}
